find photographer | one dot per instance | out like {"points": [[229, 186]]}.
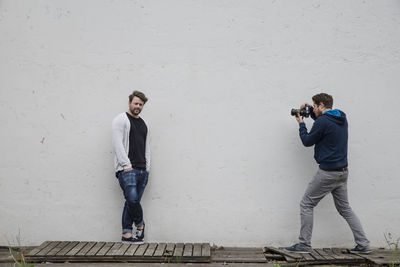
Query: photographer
{"points": [[329, 135]]}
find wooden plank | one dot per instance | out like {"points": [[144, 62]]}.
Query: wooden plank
{"points": [[95, 248], [38, 249], [86, 249], [308, 257], [188, 250], [270, 256], [223, 251], [291, 260], [131, 250], [178, 250], [324, 254], [169, 250], [67, 248], [317, 256], [289, 256], [233, 255], [354, 255], [112, 260], [196, 250], [103, 251], [160, 250], [141, 250], [383, 257], [347, 256], [150, 250], [229, 251], [336, 254], [121, 251], [76, 249], [329, 252], [47, 249], [205, 250], [339, 257], [113, 250], [57, 248]]}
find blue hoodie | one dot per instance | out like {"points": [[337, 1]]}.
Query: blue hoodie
{"points": [[329, 135]]}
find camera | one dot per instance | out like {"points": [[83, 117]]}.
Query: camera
{"points": [[304, 112]]}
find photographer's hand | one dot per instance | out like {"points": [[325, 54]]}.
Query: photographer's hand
{"points": [[305, 105], [299, 119]]}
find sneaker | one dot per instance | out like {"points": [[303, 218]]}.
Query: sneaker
{"points": [[298, 248], [140, 233], [360, 250], [132, 240]]}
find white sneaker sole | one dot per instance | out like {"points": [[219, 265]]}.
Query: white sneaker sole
{"points": [[301, 252], [361, 252], [132, 243]]}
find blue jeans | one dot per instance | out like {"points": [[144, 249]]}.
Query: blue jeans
{"points": [[133, 184]]}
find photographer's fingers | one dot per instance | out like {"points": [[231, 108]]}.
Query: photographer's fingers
{"points": [[305, 105], [299, 118]]}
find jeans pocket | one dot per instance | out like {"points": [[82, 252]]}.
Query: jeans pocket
{"points": [[128, 172], [126, 176]]}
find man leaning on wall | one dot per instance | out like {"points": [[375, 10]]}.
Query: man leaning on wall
{"points": [[329, 134], [130, 139]]}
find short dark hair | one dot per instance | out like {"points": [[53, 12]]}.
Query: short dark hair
{"points": [[326, 99], [138, 94]]}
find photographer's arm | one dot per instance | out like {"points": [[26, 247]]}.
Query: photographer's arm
{"points": [[311, 138]]}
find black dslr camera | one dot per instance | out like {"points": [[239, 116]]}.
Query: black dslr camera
{"points": [[304, 112]]}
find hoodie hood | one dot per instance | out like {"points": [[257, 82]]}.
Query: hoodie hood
{"points": [[336, 115]]}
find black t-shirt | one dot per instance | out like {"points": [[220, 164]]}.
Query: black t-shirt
{"points": [[137, 142]]}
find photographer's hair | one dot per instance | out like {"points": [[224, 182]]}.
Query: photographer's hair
{"points": [[138, 94], [326, 99]]}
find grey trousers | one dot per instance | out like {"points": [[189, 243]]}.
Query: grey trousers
{"points": [[323, 183]]}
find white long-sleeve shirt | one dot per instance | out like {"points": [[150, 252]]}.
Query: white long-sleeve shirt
{"points": [[121, 127]]}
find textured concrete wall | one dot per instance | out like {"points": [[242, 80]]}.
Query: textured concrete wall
{"points": [[222, 76]]}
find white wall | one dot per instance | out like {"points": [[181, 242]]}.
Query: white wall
{"points": [[222, 76]]}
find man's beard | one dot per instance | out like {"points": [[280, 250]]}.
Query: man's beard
{"points": [[135, 111]]}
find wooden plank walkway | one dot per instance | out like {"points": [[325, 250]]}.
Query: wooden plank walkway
{"points": [[326, 256], [157, 254], [74, 251]]}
